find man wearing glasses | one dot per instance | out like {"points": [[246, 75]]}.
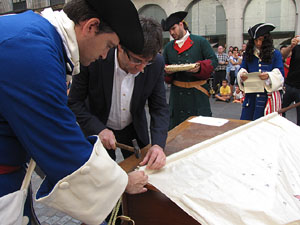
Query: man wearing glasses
{"points": [[109, 97]]}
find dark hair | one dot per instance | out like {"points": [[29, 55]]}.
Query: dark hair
{"points": [[225, 80], [153, 40], [237, 49], [80, 10], [266, 50]]}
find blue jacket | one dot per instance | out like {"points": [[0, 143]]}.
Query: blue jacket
{"points": [[34, 118]]}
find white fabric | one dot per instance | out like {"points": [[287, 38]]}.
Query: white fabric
{"points": [[90, 193], [66, 29], [12, 205], [119, 114], [183, 39], [249, 175]]}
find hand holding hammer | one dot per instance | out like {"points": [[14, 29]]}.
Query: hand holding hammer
{"points": [[135, 149]]}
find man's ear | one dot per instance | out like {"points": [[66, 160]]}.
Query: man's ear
{"points": [[91, 26]]}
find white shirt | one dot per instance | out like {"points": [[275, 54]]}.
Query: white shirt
{"points": [[123, 84], [183, 39]]}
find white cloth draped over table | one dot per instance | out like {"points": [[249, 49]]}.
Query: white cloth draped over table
{"points": [[249, 175]]}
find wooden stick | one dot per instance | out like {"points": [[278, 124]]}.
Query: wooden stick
{"points": [[126, 147]]}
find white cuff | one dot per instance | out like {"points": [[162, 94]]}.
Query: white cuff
{"points": [[276, 81], [90, 193]]}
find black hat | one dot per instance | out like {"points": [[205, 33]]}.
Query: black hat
{"points": [[123, 18], [174, 18], [260, 30]]}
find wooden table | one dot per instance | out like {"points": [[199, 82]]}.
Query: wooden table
{"points": [[153, 207]]}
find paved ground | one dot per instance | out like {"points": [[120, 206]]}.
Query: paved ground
{"points": [[49, 216]]}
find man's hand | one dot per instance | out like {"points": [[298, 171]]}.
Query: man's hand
{"points": [[244, 76], [155, 158], [264, 76], [295, 41], [136, 182], [196, 69], [108, 139]]}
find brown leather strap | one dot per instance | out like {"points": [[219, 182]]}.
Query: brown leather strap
{"points": [[194, 84]]}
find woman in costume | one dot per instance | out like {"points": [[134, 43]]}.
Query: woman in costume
{"points": [[262, 57]]}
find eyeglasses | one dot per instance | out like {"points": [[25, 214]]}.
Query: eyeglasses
{"points": [[137, 61]]}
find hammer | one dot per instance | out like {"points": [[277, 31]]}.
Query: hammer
{"points": [[136, 149]]}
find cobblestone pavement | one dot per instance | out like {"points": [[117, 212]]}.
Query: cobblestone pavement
{"points": [[49, 216]]}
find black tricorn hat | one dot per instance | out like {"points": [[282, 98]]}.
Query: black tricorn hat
{"points": [[123, 18], [260, 29], [174, 18]]}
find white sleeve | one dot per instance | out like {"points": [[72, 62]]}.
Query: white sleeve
{"points": [[276, 81], [239, 80], [90, 193]]}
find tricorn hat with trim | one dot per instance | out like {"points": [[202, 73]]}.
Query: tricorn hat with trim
{"points": [[123, 18], [260, 29], [174, 18]]}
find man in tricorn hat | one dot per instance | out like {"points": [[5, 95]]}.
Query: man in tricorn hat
{"points": [[36, 53], [189, 90]]}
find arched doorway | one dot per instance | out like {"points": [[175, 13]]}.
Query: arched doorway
{"points": [[208, 19], [157, 13]]}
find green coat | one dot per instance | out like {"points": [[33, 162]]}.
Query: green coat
{"points": [[186, 102]]}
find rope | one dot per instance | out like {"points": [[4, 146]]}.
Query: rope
{"points": [[114, 215]]}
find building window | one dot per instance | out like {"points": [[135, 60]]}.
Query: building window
{"points": [[57, 2], [19, 5]]}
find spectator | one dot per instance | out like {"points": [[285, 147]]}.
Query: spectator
{"points": [[238, 95], [243, 49], [220, 71], [225, 92], [286, 61], [235, 61], [292, 81]]}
